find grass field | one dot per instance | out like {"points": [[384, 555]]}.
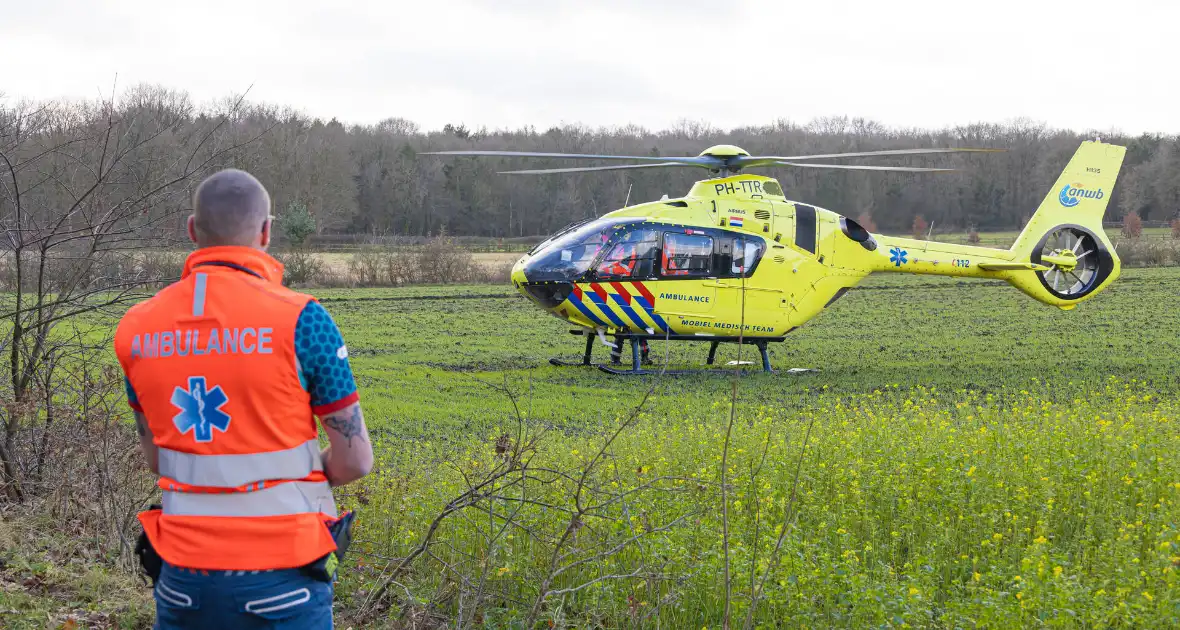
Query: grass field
{"points": [[965, 457], [974, 459]]}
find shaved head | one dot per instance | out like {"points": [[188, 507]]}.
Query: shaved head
{"points": [[231, 207]]}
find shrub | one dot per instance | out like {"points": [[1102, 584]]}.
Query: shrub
{"points": [[301, 268], [1132, 225], [162, 267], [1136, 252], [336, 278], [443, 261], [1176, 228], [72, 447], [296, 224], [401, 267], [919, 227], [65, 269], [496, 273], [973, 236], [367, 268]]}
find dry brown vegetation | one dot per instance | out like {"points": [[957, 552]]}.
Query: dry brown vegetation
{"points": [[1132, 225], [1144, 252], [919, 227], [439, 261], [85, 191]]}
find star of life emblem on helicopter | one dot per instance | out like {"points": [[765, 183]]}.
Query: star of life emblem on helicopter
{"points": [[200, 409], [897, 256]]}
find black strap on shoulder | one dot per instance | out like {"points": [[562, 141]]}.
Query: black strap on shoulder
{"points": [[222, 263]]}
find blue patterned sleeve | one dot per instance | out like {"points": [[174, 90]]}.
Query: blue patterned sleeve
{"points": [[132, 398], [323, 361]]}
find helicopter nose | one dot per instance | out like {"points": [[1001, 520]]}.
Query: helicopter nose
{"points": [[518, 275], [547, 294]]}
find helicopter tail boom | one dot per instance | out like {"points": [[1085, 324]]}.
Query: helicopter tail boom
{"points": [[1062, 256]]}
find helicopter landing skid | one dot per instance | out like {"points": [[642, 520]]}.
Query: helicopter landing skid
{"points": [[637, 358], [585, 357], [563, 363], [618, 371]]}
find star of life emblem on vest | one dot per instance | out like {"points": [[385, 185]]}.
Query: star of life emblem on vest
{"points": [[200, 409]]}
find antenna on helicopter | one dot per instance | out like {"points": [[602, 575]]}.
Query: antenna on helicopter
{"points": [[627, 201]]}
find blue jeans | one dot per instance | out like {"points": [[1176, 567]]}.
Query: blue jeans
{"points": [[283, 598]]}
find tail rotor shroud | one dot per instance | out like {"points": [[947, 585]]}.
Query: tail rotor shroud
{"points": [[1076, 261]]}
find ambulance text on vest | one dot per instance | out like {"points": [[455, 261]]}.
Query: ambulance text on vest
{"points": [[185, 342]]}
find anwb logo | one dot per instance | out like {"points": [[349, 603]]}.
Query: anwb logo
{"points": [[1072, 194]]}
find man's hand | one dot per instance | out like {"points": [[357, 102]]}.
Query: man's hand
{"points": [[349, 455]]}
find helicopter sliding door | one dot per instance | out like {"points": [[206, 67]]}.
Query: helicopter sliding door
{"points": [[686, 291], [747, 302]]}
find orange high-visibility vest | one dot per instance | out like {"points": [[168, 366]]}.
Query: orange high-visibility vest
{"points": [[212, 361], [624, 265]]}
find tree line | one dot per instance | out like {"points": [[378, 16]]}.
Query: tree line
{"points": [[371, 181]]}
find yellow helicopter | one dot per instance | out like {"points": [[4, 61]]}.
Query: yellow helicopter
{"points": [[736, 261]]}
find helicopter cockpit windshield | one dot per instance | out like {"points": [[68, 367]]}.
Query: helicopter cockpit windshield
{"points": [[567, 257]]}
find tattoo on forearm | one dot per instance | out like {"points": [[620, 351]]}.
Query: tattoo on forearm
{"points": [[348, 423]]}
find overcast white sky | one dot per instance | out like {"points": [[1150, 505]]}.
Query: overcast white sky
{"points": [[1113, 64]]}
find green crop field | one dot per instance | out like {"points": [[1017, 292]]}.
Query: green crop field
{"points": [[965, 457]]}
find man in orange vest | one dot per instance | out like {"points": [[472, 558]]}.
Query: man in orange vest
{"points": [[623, 264], [226, 371]]}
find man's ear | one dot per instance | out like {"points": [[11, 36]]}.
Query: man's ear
{"points": [[192, 228], [265, 238]]}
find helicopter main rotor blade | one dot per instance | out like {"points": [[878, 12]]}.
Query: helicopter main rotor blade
{"points": [[761, 160], [863, 167], [702, 161], [588, 169]]}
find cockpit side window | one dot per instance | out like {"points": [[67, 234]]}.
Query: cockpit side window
{"points": [[632, 256], [737, 255], [567, 257], [746, 254], [686, 255]]}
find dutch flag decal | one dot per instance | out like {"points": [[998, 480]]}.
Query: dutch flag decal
{"points": [[735, 222]]}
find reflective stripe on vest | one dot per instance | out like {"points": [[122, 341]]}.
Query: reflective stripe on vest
{"points": [[231, 471], [293, 497]]}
